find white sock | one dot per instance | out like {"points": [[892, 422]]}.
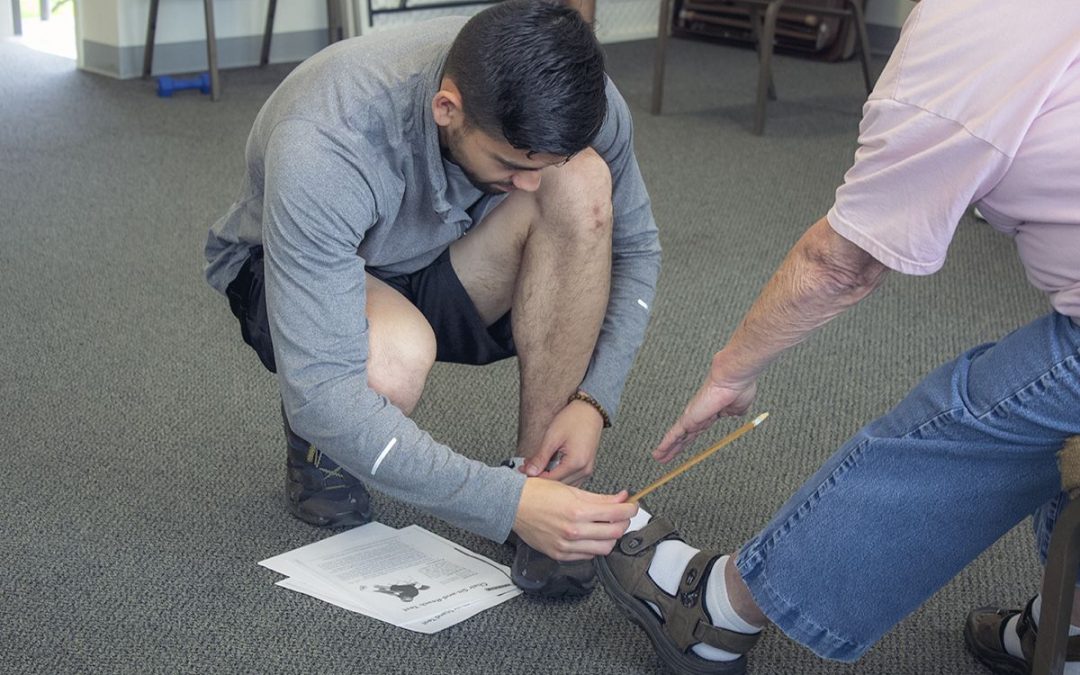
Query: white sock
{"points": [[1012, 641], [666, 569]]}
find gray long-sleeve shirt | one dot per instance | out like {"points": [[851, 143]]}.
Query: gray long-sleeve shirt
{"points": [[344, 173]]}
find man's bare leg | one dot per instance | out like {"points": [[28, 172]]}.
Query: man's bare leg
{"points": [[547, 255], [401, 346], [739, 595]]}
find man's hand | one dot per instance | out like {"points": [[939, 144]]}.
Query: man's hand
{"points": [[566, 523], [574, 435], [715, 399]]}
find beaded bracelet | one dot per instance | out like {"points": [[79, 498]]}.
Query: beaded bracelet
{"points": [[582, 396]]}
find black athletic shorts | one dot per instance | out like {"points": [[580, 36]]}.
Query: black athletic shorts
{"points": [[460, 333]]}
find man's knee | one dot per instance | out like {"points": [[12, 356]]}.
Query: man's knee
{"points": [[578, 195], [400, 356]]}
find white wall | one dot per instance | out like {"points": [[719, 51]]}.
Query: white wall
{"points": [[182, 20], [7, 21], [616, 20], [122, 23]]}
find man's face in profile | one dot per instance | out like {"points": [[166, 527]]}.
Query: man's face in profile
{"points": [[492, 164]]}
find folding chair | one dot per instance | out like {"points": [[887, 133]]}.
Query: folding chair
{"points": [[1059, 579], [335, 32], [335, 29], [211, 45], [764, 33]]}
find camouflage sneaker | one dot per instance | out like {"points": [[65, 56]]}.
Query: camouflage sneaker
{"points": [[319, 491], [538, 575]]}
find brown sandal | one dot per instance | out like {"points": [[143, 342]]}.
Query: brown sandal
{"points": [[683, 621], [984, 636]]}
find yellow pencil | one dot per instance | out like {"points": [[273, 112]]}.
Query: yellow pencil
{"points": [[724, 441]]}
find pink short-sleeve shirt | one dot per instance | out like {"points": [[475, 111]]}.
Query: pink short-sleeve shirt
{"points": [[979, 104]]}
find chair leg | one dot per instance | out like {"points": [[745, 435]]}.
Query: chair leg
{"points": [[1059, 584], [755, 32], [151, 29], [333, 21], [329, 22], [211, 50], [661, 55], [864, 43], [268, 33], [768, 34]]}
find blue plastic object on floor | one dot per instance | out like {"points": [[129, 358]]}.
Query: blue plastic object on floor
{"points": [[167, 85]]}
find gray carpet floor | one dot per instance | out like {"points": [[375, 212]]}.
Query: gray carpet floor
{"points": [[142, 475]]}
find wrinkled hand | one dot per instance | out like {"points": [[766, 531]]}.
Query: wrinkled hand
{"points": [[711, 402], [573, 436], [566, 523]]}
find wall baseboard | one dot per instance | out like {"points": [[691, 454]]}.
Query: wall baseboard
{"points": [[188, 57]]}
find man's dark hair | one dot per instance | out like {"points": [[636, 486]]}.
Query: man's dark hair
{"points": [[532, 71]]}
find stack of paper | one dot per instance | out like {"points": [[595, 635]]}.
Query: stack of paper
{"points": [[410, 577]]}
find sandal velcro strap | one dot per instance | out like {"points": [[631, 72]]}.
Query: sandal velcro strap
{"points": [[691, 592], [722, 638], [657, 530], [695, 571]]}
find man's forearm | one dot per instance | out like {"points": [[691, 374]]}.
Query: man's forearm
{"points": [[823, 275], [634, 272]]}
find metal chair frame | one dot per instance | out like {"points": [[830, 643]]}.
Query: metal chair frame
{"points": [[335, 30], [211, 45], [764, 33]]}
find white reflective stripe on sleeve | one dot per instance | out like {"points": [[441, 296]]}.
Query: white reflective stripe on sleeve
{"points": [[382, 455], [642, 303]]}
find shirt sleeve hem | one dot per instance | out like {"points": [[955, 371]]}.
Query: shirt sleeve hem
{"points": [[889, 258], [513, 484]]}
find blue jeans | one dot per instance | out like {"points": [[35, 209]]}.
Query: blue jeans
{"points": [[918, 493]]}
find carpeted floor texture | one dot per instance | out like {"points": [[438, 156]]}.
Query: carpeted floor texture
{"points": [[142, 475]]}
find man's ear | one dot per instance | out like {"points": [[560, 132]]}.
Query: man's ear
{"points": [[446, 105]]}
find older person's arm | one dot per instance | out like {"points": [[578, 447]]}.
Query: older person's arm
{"points": [[822, 275]]}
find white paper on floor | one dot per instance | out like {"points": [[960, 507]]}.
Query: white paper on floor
{"points": [[410, 577]]}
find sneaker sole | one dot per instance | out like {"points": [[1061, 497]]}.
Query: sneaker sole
{"points": [[997, 662], [350, 518], [647, 620], [559, 587]]}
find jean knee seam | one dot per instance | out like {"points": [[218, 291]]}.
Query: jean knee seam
{"points": [[1042, 383], [936, 423]]}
